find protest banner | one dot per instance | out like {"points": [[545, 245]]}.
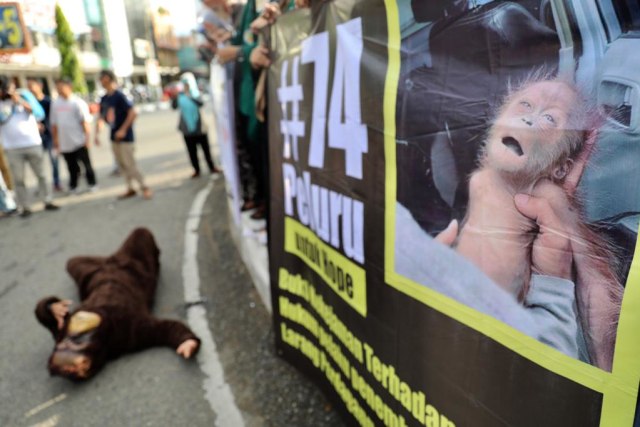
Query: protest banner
{"points": [[454, 209]]}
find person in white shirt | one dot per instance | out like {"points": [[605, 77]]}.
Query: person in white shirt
{"points": [[71, 132], [19, 115]]}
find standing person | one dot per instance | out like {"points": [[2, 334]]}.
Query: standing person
{"points": [[191, 125], [70, 120], [4, 170], [7, 204], [118, 111], [19, 115], [45, 129]]}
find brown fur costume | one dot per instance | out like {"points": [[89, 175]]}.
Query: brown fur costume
{"points": [[120, 290]]}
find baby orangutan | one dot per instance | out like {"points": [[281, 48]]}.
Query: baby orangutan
{"points": [[536, 140], [114, 316]]}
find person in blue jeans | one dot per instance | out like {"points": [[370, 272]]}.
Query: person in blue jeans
{"points": [[19, 115], [35, 87]]}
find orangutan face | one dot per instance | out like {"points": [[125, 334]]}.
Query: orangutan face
{"points": [[534, 133], [73, 356]]}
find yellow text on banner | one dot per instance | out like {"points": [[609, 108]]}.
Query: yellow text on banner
{"points": [[347, 279]]}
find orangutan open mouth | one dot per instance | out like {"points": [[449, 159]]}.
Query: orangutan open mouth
{"points": [[512, 144]]}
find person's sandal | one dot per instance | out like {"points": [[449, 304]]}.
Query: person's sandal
{"points": [[130, 193]]}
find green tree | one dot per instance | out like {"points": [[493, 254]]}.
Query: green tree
{"points": [[69, 64]]}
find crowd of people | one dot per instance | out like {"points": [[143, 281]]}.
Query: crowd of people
{"points": [[33, 128], [240, 35]]}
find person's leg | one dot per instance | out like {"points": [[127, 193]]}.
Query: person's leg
{"points": [[36, 162], [4, 169], [244, 163], [255, 155], [192, 148], [203, 141], [83, 156], [16, 164], [121, 161], [55, 168], [73, 168], [128, 150]]}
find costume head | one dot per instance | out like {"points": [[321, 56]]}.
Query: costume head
{"points": [[80, 354]]}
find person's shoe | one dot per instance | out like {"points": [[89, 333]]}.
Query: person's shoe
{"points": [[57, 188], [260, 213], [129, 194], [195, 175], [147, 193], [9, 213], [72, 191], [25, 213], [93, 188], [51, 207], [247, 205]]}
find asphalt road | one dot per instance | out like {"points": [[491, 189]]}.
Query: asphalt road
{"points": [[154, 387]]}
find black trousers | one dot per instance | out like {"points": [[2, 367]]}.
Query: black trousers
{"points": [[192, 142], [81, 155]]}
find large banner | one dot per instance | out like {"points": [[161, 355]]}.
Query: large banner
{"points": [[455, 209]]}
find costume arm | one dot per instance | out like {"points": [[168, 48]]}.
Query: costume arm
{"points": [[45, 316], [164, 332], [551, 302]]}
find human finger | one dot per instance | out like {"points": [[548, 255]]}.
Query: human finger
{"points": [[449, 234]]}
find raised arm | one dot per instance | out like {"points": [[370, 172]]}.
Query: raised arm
{"points": [[51, 312]]}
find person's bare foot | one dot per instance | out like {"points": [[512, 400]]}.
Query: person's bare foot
{"points": [[130, 193], [147, 193]]}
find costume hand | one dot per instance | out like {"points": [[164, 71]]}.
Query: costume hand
{"points": [[187, 348], [260, 57], [449, 234], [96, 141], [59, 310], [551, 254]]}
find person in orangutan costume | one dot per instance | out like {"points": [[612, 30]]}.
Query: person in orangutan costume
{"points": [[114, 316]]}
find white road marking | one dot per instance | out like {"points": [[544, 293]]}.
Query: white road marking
{"points": [[217, 391], [41, 407], [49, 422]]}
